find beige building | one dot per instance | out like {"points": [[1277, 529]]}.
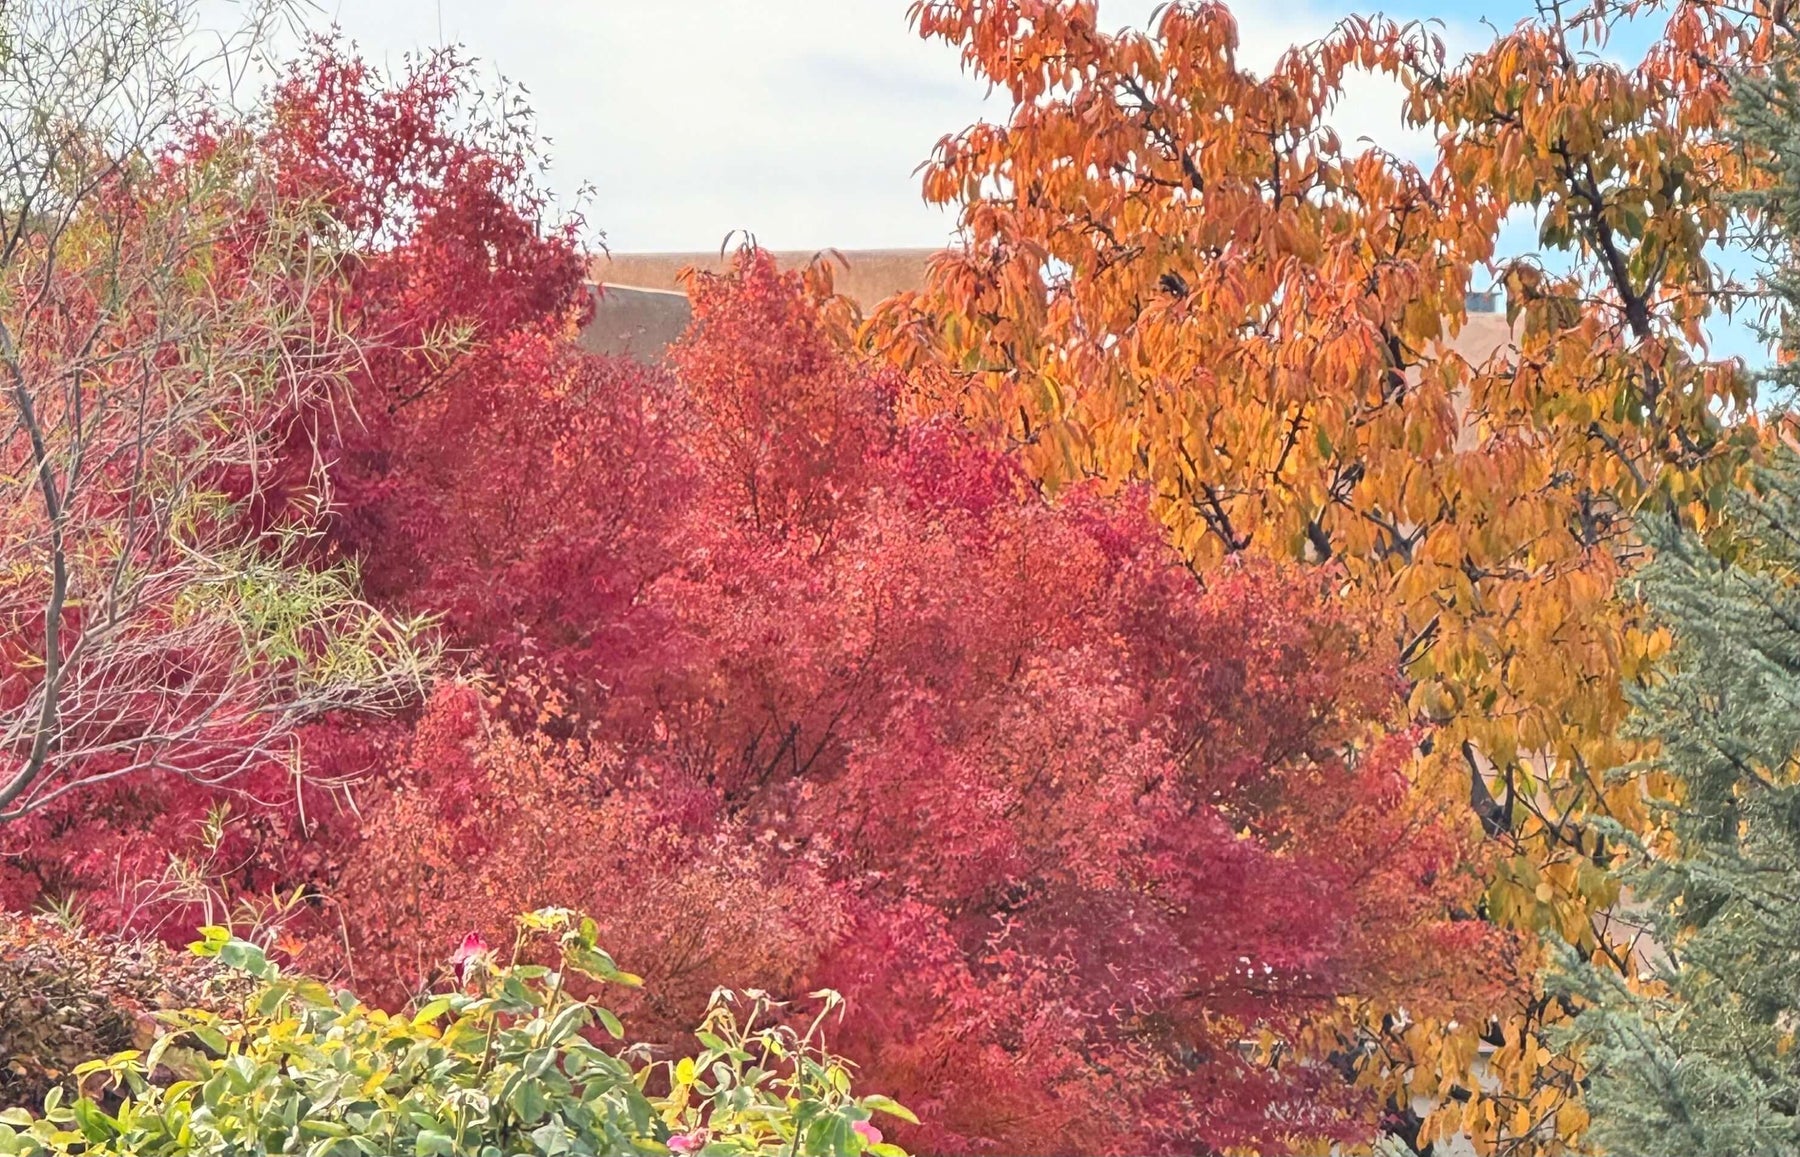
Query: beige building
{"points": [[641, 308]]}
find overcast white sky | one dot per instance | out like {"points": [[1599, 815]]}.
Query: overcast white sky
{"points": [[799, 120], [802, 121]]}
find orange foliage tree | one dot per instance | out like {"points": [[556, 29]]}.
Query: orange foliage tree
{"points": [[1172, 271]]}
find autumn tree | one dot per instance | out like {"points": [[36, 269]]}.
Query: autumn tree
{"points": [[793, 691], [150, 348], [1172, 270], [387, 235], [431, 182]]}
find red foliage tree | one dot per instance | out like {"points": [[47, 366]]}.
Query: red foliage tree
{"points": [[427, 191], [832, 697], [432, 185]]}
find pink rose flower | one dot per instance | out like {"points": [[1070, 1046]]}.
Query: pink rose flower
{"points": [[688, 1142], [474, 945], [869, 1133]]}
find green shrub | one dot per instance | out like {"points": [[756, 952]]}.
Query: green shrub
{"points": [[506, 1066]]}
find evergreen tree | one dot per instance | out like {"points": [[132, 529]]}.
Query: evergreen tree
{"points": [[1696, 1055], [1766, 117]]}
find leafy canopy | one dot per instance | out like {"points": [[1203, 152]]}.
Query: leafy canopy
{"points": [[794, 691], [1172, 271]]}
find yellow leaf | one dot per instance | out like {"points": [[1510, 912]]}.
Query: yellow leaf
{"points": [[376, 1079]]}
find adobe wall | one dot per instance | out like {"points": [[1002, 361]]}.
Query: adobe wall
{"points": [[641, 308], [639, 323], [864, 275]]}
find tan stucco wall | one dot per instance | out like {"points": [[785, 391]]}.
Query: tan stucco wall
{"points": [[640, 323], [865, 275], [1482, 334], [641, 308]]}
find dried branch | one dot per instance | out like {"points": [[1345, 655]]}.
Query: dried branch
{"points": [[160, 329]]}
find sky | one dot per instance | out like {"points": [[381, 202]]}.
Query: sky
{"points": [[800, 121]]}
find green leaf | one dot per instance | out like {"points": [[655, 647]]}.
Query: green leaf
{"points": [[212, 939], [432, 1010], [552, 1137], [247, 957], [325, 1128], [94, 1124], [209, 1037], [157, 1049], [546, 919], [889, 1106], [434, 1141], [528, 1101], [569, 1021]]}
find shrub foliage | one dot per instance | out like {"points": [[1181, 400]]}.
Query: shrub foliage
{"points": [[67, 996], [507, 1064]]}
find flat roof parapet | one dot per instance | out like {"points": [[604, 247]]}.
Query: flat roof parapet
{"points": [[865, 276], [642, 309]]}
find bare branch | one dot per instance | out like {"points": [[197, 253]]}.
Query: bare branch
{"points": [[159, 331]]}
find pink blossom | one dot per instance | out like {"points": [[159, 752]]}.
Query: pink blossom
{"points": [[688, 1142], [474, 945], [869, 1133]]}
